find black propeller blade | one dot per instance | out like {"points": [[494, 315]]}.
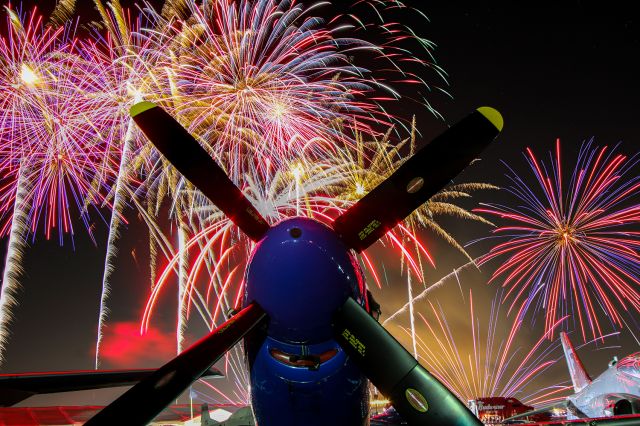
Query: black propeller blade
{"points": [[418, 396], [186, 154], [417, 180], [140, 404]]}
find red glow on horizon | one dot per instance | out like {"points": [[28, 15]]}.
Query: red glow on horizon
{"points": [[123, 346]]}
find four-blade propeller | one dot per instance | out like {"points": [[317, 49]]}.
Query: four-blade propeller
{"points": [[417, 396]]}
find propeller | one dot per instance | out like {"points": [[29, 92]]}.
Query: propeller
{"points": [[191, 159], [418, 179], [417, 395], [143, 402]]}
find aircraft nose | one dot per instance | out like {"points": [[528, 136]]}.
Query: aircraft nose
{"points": [[300, 273]]}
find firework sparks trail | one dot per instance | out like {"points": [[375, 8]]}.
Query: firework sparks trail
{"points": [[12, 268], [488, 363], [124, 77], [182, 285], [412, 318], [430, 288], [112, 251], [571, 249]]}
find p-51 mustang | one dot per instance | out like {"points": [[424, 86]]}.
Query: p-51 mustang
{"points": [[310, 340]]}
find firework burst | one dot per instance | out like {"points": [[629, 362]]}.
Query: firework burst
{"points": [[572, 249], [266, 82], [374, 160], [55, 138], [55, 128], [487, 361]]}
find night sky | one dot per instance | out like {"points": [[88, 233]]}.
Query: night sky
{"points": [[568, 73]]}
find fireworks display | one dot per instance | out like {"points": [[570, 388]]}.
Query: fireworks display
{"points": [[572, 249], [295, 109], [482, 360], [266, 86], [284, 128]]}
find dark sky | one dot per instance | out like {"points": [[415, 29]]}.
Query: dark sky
{"points": [[566, 72]]}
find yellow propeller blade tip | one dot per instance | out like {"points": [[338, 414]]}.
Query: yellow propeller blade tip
{"points": [[493, 116], [141, 107]]}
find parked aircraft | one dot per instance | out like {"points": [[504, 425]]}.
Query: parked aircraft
{"points": [[615, 392]]}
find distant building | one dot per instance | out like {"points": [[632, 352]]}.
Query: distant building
{"points": [[492, 411]]}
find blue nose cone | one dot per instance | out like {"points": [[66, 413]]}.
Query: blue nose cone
{"points": [[301, 273]]}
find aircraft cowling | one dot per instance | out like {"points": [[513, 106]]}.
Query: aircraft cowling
{"points": [[300, 273], [618, 404]]}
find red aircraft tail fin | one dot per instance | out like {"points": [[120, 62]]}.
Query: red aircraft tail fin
{"points": [[579, 375]]}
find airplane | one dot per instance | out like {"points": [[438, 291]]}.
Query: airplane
{"points": [[311, 341], [615, 392]]}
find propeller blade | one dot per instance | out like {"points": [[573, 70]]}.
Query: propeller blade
{"points": [[418, 179], [417, 395], [143, 402], [191, 159]]}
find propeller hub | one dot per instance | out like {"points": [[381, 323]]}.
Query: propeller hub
{"points": [[300, 273]]}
